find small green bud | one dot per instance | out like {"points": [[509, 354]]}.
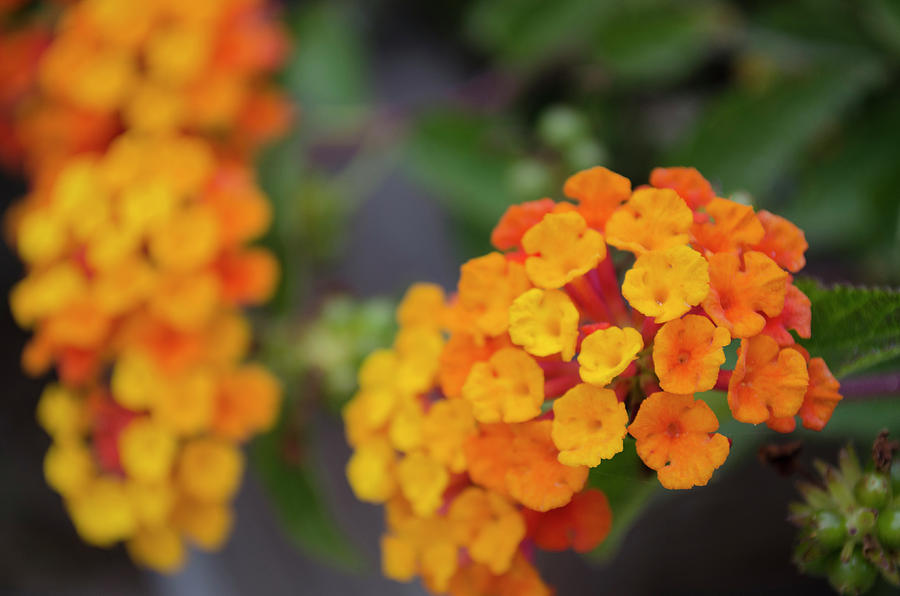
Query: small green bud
{"points": [[829, 529], [561, 126], [586, 154], [873, 490], [859, 522], [856, 575], [529, 179], [888, 526]]}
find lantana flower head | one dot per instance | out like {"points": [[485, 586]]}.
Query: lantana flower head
{"points": [[137, 125], [549, 366]]}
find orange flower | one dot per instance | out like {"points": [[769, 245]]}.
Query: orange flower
{"points": [[687, 182], [561, 247], [821, 397], [737, 296], [509, 386], [795, 315], [458, 356], [599, 192], [652, 219], [676, 437], [767, 381], [489, 526], [783, 242], [581, 525], [422, 305], [687, 354], [522, 579], [487, 286], [521, 461], [517, 220], [733, 226]]}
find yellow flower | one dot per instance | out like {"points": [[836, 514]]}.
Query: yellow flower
{"points": [[544, 322], [398, 558], [422, 305], [135, 380], [589, 425], [418, 350], [102, 512], [489, 526], [68, 467], [561, 247], [185, 403], [147, 450], [422, 481], [652, 219], [605, 353], [665, 284], [508, 387], [159, 548], [487, 286], [152, 503], [188, 240], [207, 525], [40, 237], [60, 413], [405, 429], [43, 294], [370, 471], [447, 425], [210, 469], [186, 301]]}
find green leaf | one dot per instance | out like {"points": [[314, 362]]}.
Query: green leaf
{"points": [[629, 487], [528, 33], [457, 157], [846, 200], [853, 329], [658, 42], [293, 488], [328, 71], [747, 141]]}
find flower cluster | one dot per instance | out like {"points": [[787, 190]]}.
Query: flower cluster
{"points": [[478, 428], [136, 136]]}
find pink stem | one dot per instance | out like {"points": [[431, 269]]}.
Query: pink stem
{"points": [[581, 291], [609, 287]]}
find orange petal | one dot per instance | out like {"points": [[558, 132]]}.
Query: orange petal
{"points": [[768, 381], [736, 297]]}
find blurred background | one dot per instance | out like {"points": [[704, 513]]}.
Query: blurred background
{"points": [[419, 123]]}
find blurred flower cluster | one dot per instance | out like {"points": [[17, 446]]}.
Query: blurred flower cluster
{"points": [[136, 124], [479, 427]]}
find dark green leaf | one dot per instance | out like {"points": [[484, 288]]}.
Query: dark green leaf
{"points": [[656, 44], [853, 329], [628, 486], [294, 490], [747, 141], [847, 200], [527, 33]]}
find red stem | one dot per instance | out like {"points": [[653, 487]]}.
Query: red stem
{"points": [[581, 292], [609, 286], [723, 380]]}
